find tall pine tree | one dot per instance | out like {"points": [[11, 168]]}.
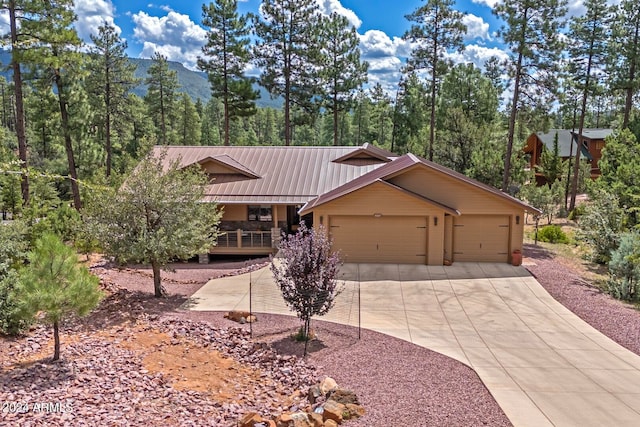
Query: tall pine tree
{"points": [[343, 72], [162, 84], [624, 53], [288, 52], [531, 33], [588, 35], [111, 77], [436, 30], [227, 54]]}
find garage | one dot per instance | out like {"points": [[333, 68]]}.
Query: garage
{"points": [[481, 238], [381, 239]]}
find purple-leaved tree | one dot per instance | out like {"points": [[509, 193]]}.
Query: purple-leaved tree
{"points": [[306, 274]]}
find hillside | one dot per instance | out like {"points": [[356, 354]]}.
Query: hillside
{"points": [[193, 83]]}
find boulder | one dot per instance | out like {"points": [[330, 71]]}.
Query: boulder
{"points": [[330, 423], [240, 316], [314, 394], [333, 411], [344, 396], [353, 411], [297, 419], [250, 419], [328, 385]]}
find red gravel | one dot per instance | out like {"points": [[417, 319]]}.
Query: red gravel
{"points": [[617, 320], [397, 382]]}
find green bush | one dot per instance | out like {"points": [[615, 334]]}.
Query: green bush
{"points": [[13, 253], [11, 323], [577, 212], [600, 226], [552, 234], [624, 268]]}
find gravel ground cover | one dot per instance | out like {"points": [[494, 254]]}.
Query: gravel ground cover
{"points": [[617, 320], [139, 360], [144, 361]]}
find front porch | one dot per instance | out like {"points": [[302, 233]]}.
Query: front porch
{"points": [[247, 242]]}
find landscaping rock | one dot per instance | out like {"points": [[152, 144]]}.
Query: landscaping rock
{"points": [[333, 411], [344, 396], [327, 385]]}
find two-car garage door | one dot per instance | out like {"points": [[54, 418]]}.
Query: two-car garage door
{"points": [[482, 238], [404, 239], [384, 239]]}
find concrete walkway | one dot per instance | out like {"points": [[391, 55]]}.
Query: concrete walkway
{"points": [[543, 365]]}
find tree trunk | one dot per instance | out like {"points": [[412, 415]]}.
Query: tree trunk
{"points": [[157, 280], [583, 110], [628, 104], [512, 126], [514, 107], [56, 341], [335, 119], [64, 116], [107, 101], [19, 103]]}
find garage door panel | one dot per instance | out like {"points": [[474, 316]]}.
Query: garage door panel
{"points": [[483, 238], [385, 239]]}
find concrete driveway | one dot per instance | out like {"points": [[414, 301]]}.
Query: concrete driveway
{"points": [[543, 365]]}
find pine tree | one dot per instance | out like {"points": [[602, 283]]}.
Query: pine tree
{"points": [[437, 30], [55, 283], [467, 107], [624, 53], [531, 33], [20, 44], [588, 35], [110, 78], [343, 72], [288, 51], [56, 59], [162, 84], [226, 57], [188, 122]]}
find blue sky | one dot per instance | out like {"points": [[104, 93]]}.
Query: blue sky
{"points": [[172, 28]]}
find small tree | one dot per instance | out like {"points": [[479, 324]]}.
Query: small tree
{"points": [[55, 283], [157, 216], [601, 224], [624, 267], [306, 274]]}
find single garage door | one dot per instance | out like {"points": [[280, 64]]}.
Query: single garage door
{"points": [[387, 239], [481, 238]]}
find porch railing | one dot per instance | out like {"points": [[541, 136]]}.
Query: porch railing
{"points": [[244, 239]]}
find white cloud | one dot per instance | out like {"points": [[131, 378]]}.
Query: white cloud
{"points": [[91, 15], [490, 3], [329, 6], [477, 28], [478, 55], [175, 36], [385, 57], [4, 22]]}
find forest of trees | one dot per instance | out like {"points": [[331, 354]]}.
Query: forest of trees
{"points": [[69, 111]]}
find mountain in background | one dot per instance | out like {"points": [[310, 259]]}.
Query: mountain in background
{"points": [[193, 83]]}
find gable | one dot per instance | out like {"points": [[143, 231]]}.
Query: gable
{"points": [[381, 196], [458, 194], [365, 155], [226, 165]]}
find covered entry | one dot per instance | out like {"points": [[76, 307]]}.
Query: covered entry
{"points": [[481, 238], [383, 239]]}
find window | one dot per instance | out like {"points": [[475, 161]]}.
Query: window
{"points": [[260, 213]]}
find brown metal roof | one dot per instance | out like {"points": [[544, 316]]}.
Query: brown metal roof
{"points": [[400, 165], [285, 175]]}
